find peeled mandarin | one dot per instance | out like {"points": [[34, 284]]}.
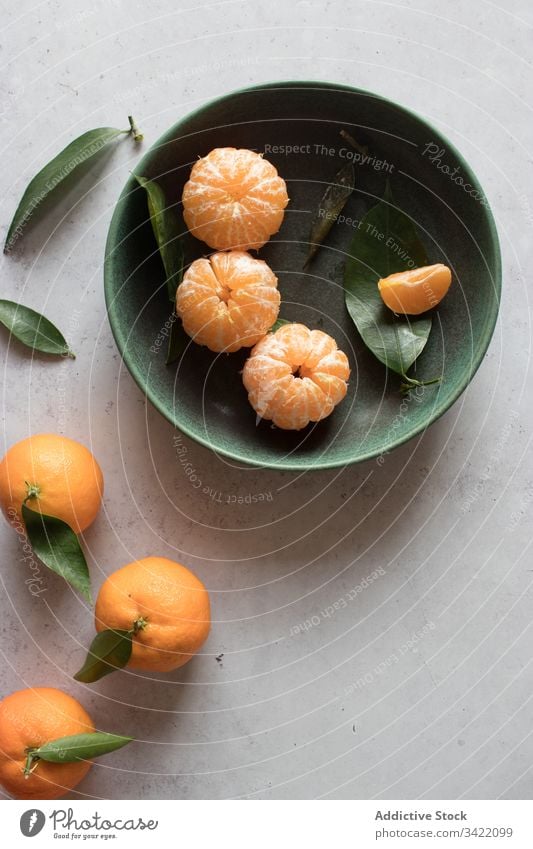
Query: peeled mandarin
{"points": [[295, 376], [228, 301], [234, 199], [417, 290]]}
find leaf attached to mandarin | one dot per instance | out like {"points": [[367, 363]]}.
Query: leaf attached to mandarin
{"points": [[76, 747], [110, 650], [55, 543]]}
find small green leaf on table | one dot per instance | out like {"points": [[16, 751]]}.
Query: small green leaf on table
{"points": [[110, 650], [385, 242], [50, 178], [33, 329], [55, 543]]}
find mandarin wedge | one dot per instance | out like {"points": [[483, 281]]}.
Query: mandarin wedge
{"points": [[417, 290]]}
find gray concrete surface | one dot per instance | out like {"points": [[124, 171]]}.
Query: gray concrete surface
{"points": [[419, 684]]}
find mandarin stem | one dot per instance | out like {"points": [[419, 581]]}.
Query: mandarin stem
{"points": [[33, 491], [139, 625], [411, 382]]}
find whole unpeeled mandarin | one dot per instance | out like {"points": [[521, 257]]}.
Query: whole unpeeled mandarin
{"points": [[53, 475], [29, 719], [164, 605]]}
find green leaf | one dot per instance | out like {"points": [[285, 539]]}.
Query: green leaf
{"points": [[165, 225], [110, 650], [52, 175], [55, 543], [177, 342], [277, 324], [79, 747], [385, 242], [33, 329], [330, 207]]}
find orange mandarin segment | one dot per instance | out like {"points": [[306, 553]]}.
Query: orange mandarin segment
{"points": [[415, 291]]}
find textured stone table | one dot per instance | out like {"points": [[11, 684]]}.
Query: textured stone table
{"points": [[417, 682]]}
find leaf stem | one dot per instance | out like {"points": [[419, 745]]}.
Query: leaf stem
{"points": [[30, 757], [362, 149], [410, 382], [134, 130]]}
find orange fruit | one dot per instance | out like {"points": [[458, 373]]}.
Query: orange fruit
{"points": [[228, 301], [295, 376], [165, 604], [415, 291], [57, 476], [234, 199], [31, 718]]}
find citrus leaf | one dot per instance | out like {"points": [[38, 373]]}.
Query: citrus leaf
{"points": [[177, 342], [55, 543], [33, 329], [385, 242], [165, 225], [330, 207], [54, 173], [79, 747], [110, 650], [277, 324]]}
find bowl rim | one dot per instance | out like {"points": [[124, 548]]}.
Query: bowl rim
{"points": [[283, 465]]}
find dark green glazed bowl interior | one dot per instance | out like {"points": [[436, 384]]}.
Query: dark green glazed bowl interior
{"points": [[297, 126]]}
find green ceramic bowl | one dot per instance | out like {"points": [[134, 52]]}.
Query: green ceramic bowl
{"points": [[297, 126]]}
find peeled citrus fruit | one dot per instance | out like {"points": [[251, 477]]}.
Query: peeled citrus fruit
{"points": [[53, 475], [228, 301], [295, 376], [31, 718], [234, 199], [165, 605], [415, 291]]}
